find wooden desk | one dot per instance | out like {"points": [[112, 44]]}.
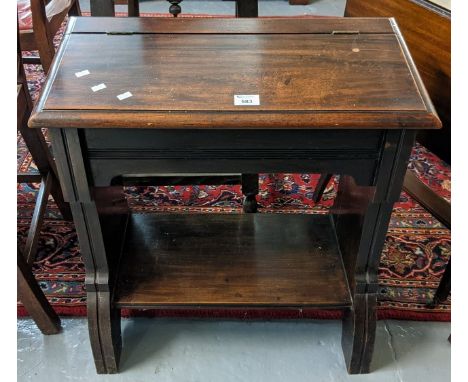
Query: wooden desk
{"points": [[336, 96]]}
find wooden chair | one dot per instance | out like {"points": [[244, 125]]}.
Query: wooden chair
{"points": [[40, 153], [33, 299], [29, 291], [38, 25]]}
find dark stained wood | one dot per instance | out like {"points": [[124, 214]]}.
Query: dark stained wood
{"points": [[28, 177], [32, 60], [321, 186], [246, 8], [29, 291], [427, 31], [114, 226], [324, 62], [242, 260], [102, 7], [34, 232], [39, 151], [245, 259], [435, 204], [134, 8], [246, 120], [361, 216], [175, 75], [42, 35], [178, 180], [113, 154], [229, 26], [444, 287], [250, 191], [172, 85], [35, 142], [33, 299], [426, 28]]}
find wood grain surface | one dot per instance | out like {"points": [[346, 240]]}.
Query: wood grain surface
{"points": [[307, 74], [426, 28], [251, 259]]}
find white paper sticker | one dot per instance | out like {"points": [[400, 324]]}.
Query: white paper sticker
{"points": [[96, 88], [82, 73], [124, 96], [246, 100]]}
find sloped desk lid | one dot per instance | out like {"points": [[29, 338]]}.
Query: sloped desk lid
{"points": [[303, 73]]}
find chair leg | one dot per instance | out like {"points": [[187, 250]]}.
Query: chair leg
{"points": [[34, 300], [133, 8], [75, 9], [443, 290], [429, 199], [321, 186], [40, 153], [46, 53], [63, 206], [37, 219]]}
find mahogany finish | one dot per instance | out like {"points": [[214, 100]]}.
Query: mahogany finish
{"points": [[336, 96], [264, 25], [41, 36], [28, 289], [281, 260], [341, 68], [426, 28], [33, 299], [434, 203], [427, 31], [37, 147]]}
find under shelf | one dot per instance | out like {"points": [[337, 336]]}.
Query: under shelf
{"points": [[237, 260]]}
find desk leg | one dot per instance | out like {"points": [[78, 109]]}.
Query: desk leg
{"points": [[103, 318], [361, 215], [102, 8], [250, 191], [99, 248], [359, 323]]}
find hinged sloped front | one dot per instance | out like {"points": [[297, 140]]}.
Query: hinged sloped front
{"points": [[330, 73]]}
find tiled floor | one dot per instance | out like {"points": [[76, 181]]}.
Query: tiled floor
{"points": [[176, 350], [183, 350]]}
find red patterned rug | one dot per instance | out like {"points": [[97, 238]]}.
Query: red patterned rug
{"points": [[415, 254]]}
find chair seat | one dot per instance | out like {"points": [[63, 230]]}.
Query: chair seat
{"points": [[25, 16]]}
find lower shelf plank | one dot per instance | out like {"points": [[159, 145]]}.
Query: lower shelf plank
{"points": [[231, 260]]}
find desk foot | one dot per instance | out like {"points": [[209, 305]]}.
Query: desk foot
{"points": [[104, 332], [358, 335]]}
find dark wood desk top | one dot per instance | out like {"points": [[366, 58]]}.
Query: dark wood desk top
{"points": [[322, 73]]}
